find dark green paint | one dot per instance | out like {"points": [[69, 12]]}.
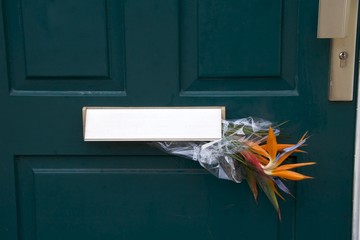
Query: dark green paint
{"points": [[59, 56], [220, 53]]}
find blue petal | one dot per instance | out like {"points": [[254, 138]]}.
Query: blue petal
{"points": [[282, 186]]}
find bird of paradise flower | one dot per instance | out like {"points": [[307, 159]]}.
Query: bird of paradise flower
{"points": [[263, 166]]}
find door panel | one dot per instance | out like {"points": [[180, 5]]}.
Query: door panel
{"points": [[129, 197], [238, 48], [258, 58], [70, 46]]}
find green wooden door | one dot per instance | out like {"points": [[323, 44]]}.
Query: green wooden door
{"points": [[258, 58]]}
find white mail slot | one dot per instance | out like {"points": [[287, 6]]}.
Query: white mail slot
{"points": [[153, 124]]}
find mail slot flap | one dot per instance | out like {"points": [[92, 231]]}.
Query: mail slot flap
{"points": [[153, 124]]}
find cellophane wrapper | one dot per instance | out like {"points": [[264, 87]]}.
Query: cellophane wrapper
{"points": [[216, 156]]}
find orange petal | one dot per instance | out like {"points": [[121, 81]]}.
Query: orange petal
{"points": [[262, 160], [290, 175], [291, 166], [259, 150], [286, 155], [271, 144], [299, 151], [282, 159], [281, 147]]}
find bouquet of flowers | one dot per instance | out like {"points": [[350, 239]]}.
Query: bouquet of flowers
{"points": [[247, 150]]}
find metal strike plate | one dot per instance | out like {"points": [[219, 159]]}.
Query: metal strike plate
{"points": [[153, 124], [338, 20], [342, 65]]}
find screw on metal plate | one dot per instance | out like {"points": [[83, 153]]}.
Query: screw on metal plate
{"points": [[343, 56]]}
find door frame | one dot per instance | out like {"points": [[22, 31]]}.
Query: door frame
{"points": [[356, 179]]}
